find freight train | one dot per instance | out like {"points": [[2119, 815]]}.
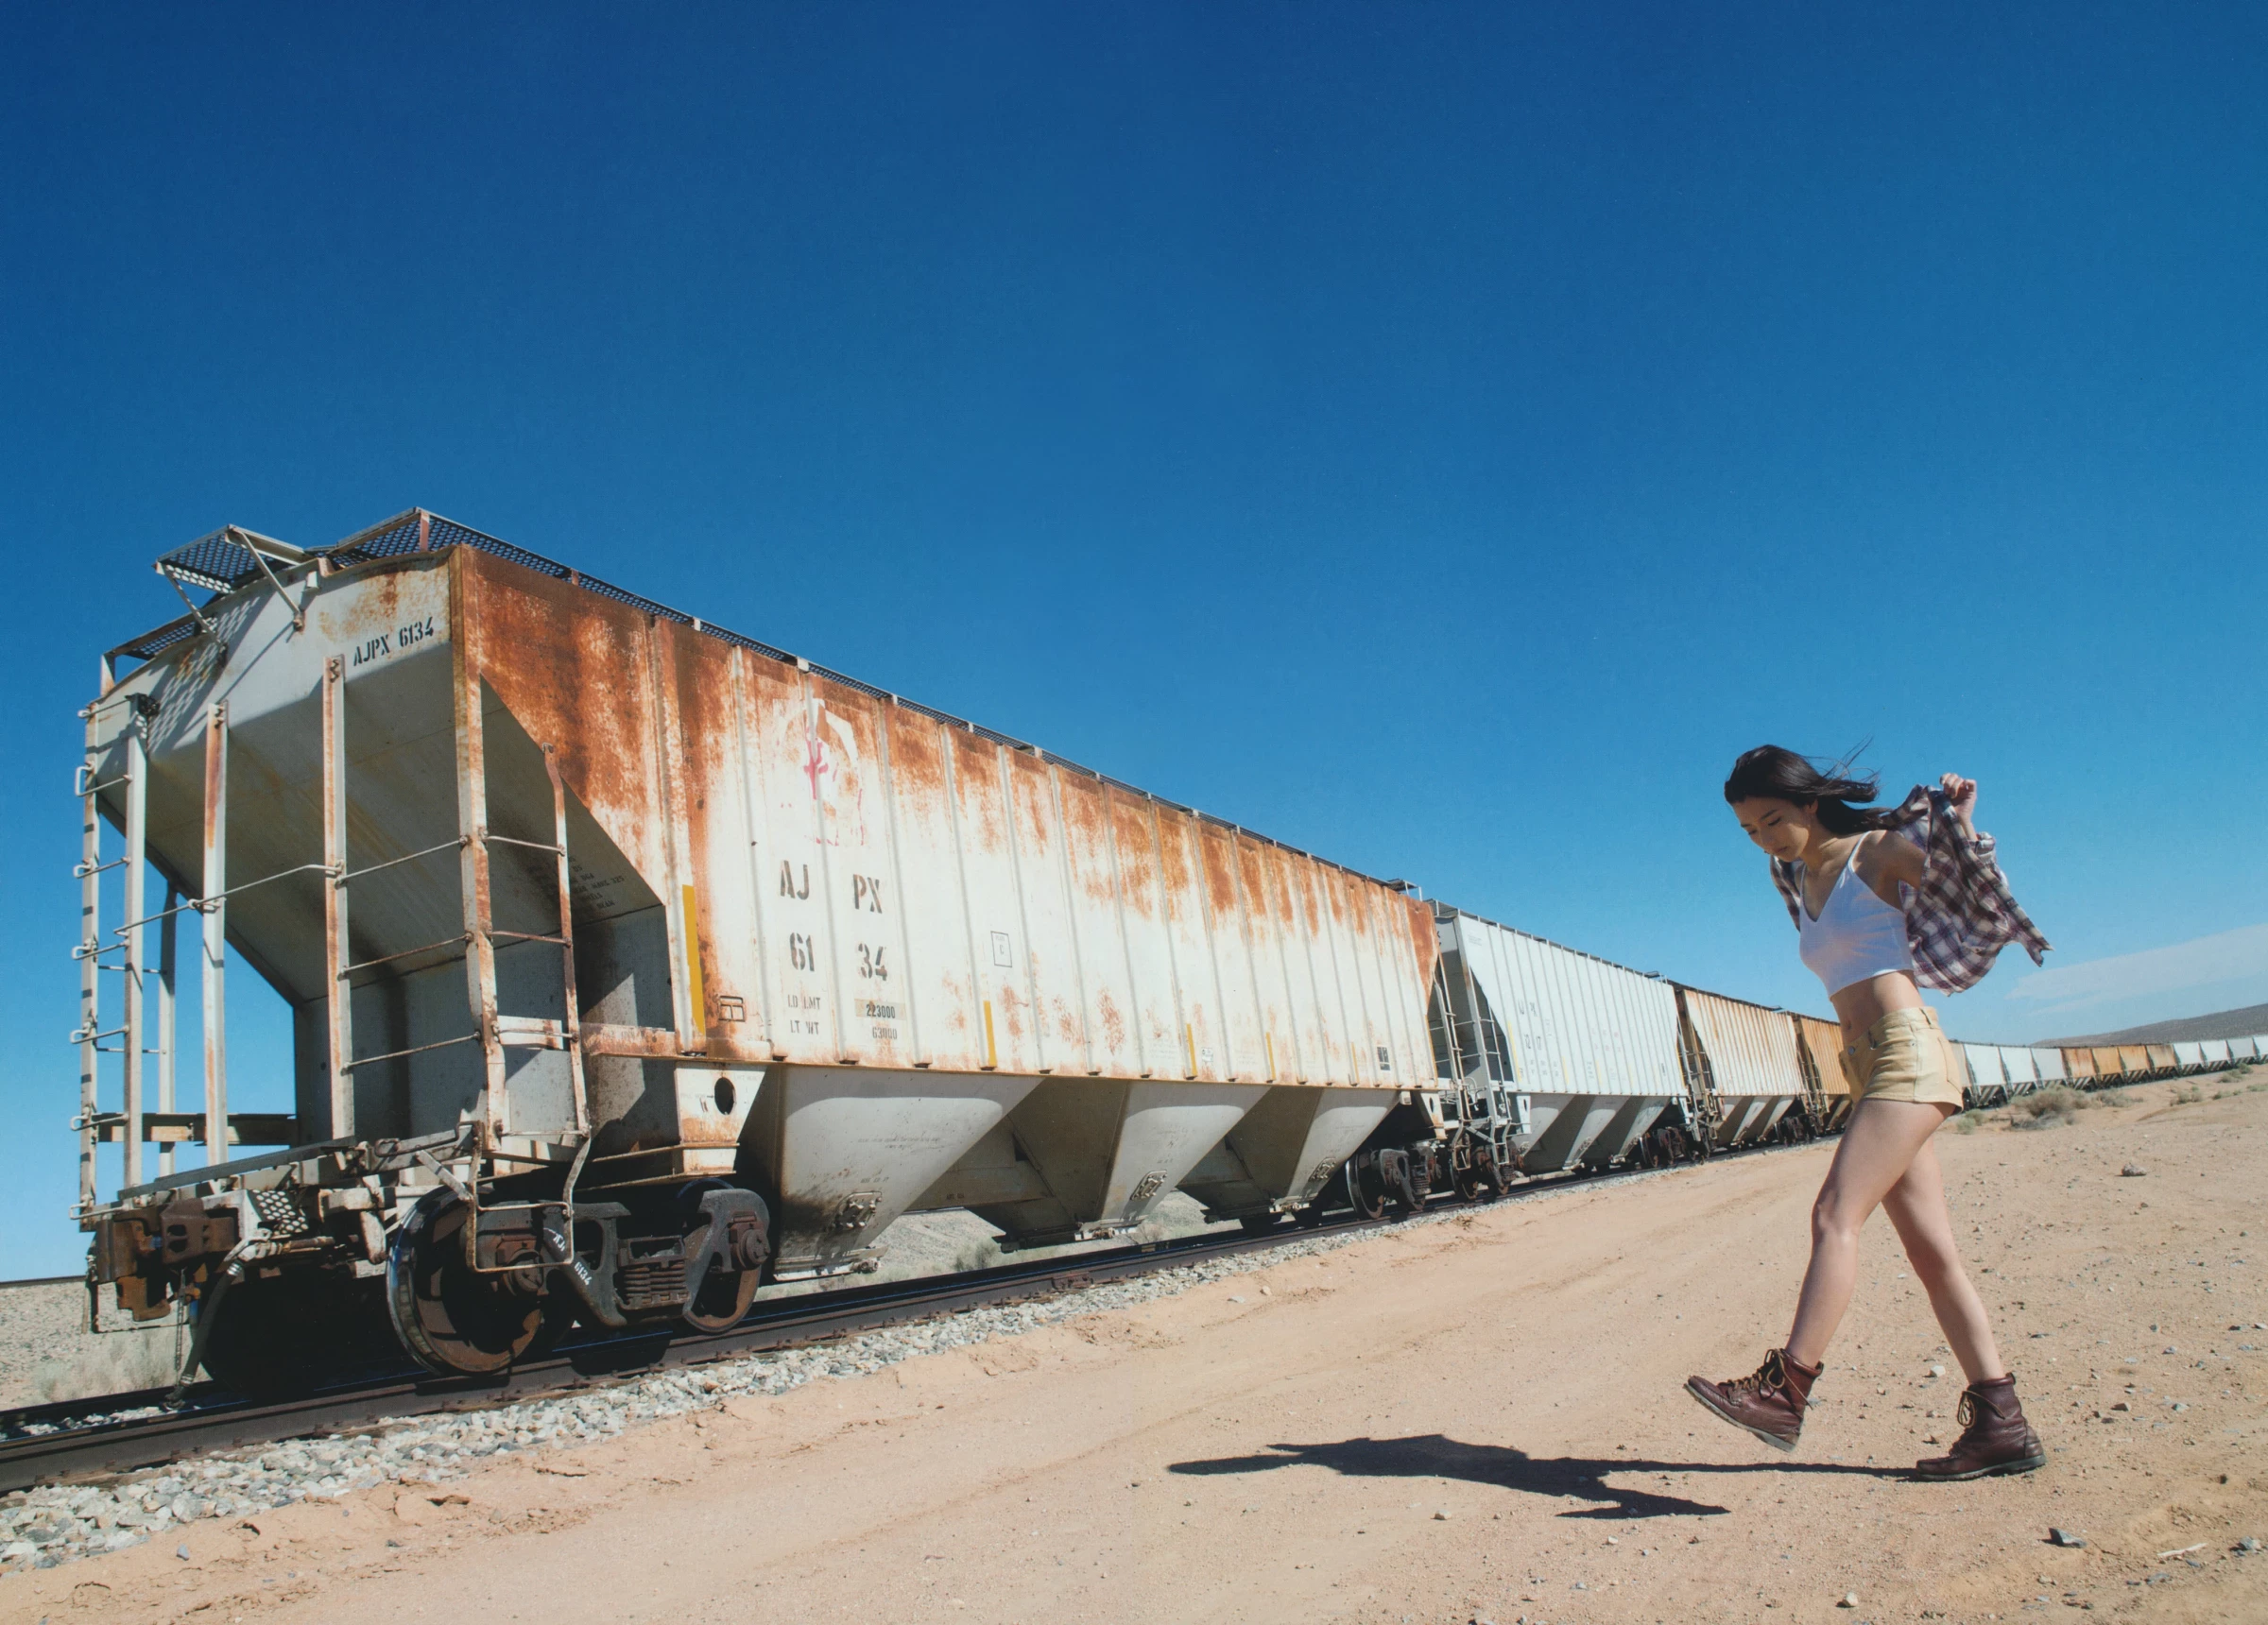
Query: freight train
{"points": [[634, 963]]}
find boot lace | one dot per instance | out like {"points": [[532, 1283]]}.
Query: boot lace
{"points": [[1769, 1378]]}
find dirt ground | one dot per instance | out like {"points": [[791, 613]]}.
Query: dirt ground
{"points": [[1476, 1419]]}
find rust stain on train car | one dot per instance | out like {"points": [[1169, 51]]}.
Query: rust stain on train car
{"points": [[1086, 832], [1173, 856], [1114, 1021], [977, 780], [1137, 869], [571, 667], [1424, 942], [709, 822], [1105, 931], [916, 765], [1220, 885], [349, 621]]}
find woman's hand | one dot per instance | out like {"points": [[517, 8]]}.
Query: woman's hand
{"points": [[1962, 793]]}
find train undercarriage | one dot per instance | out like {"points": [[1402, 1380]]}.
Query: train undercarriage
{"points": [[337, 1255]]}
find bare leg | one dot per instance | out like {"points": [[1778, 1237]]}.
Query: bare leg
{"points": [[1878, 1148], [1916, 1207]]}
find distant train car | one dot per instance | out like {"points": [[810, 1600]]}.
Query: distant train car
{"points": [[2048, 1063], [1742, 1067], [1988, 1084], [1591, 1045], [2079, 1064], [1546, 1059], [2018, 1067], [1822, 1047]]}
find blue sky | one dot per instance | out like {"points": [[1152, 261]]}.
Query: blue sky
{"points": [[1442, 437]]}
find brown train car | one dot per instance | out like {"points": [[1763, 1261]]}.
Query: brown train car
{"points": [[1823, 1047]]}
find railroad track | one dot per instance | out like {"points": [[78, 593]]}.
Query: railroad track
{"points": [[89, 1438], [76, 1439]]}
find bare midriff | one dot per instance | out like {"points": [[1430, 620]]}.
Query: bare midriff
{"points": [[1863, 1003]]}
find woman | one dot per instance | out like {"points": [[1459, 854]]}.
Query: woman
{"points": [[1885, 903]]}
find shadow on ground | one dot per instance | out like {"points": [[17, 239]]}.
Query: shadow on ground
{"points": [[1432, 1456]]}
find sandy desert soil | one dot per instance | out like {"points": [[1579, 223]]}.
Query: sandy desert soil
{"points": [[1473, 1420]]}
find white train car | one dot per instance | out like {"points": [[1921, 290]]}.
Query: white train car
{"points": [[1988, 1083], [1588, 1048]]}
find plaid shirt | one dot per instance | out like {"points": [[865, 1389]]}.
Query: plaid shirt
{"points": [[1961, 916]]}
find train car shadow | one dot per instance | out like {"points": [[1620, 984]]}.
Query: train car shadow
{"points": [[1433, 1456]]}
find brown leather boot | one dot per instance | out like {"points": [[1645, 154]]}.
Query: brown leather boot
{"points": [[1995, 1438], [1768, 1403]]}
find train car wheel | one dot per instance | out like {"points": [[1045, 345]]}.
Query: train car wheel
{"points": [[558, 1319], [455, 1319], [1468, 1163], [1366, 1191]]}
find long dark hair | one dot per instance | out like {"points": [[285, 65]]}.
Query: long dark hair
{"points": [[1773, 771]]}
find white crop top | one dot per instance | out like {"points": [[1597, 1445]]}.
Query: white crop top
{"points": [[1856, 935]]}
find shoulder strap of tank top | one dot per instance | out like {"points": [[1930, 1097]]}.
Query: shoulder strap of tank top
{"points": [[1851, 866], [1847, 871]]}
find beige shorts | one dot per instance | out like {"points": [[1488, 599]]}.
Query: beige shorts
{"points": [[1904, 1058]]}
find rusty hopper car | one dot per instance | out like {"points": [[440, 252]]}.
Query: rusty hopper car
{"points": [[1821, 1049], [1742, 1067], [633, 962]]}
